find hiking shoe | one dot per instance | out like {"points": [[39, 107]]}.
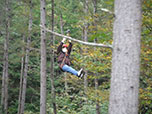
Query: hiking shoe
{"points": [[81, 73]]}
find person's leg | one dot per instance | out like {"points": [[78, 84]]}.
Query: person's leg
{"points": [[70, 70]]}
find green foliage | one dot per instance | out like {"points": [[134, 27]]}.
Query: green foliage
{"points": [[145, 96], [97, 61], [76, 104]]}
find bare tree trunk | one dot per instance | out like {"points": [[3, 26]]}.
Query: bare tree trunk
{"points": [[43, 58], [65, 74], [86, 23], [61, 23], [126, 58], [82, 33], [65, 83], [85, 39], [96, 77], [95, 7], [21, 77], [26, 60], [3, 81], [97, 100], [6, 57], [4, 100], [52, 63]]}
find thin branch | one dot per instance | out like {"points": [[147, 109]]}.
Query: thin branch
{"points": [[106, 10], [79, 41]]}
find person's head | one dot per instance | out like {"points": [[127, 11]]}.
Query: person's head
{"points": [[64, 48]]}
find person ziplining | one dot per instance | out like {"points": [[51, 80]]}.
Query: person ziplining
{"points": [[63, 52]]}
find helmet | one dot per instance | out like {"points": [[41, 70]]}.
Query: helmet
{"points": [[65, 45]]}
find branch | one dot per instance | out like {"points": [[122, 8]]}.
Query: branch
{"points": [[79, 41], [106, 10]]}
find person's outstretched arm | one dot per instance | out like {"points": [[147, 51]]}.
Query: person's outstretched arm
{"points": [[60, 46], [69, 47]]}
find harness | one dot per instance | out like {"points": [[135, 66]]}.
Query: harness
{"points": [[61, 65]]}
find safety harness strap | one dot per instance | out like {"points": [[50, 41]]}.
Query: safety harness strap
{"points": [[61, 65]]}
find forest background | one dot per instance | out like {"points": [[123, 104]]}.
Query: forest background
{"points": [[71, 96]]}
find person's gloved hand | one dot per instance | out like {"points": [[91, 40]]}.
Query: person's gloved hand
{"points": [[69, 41], [63, 40]]}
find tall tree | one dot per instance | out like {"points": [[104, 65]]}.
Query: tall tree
{"points": [[96, 77], [85, 39], [21, 110], [21, 77], [43, 58], [52, 62], [97, 96], [65, 74], [4, 98], [61, 23], [126, 57]]}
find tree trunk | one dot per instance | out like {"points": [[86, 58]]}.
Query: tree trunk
{"points": [[86, 24], [82, 37], [96, 77], [126, 58], [61, 24], [94, 7], [4, 100], [21, 77], [97, 96], [52, 63], [65, 74], [43, 58], [26, 60], [3, 80], [6, 57], [85, 39]]}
